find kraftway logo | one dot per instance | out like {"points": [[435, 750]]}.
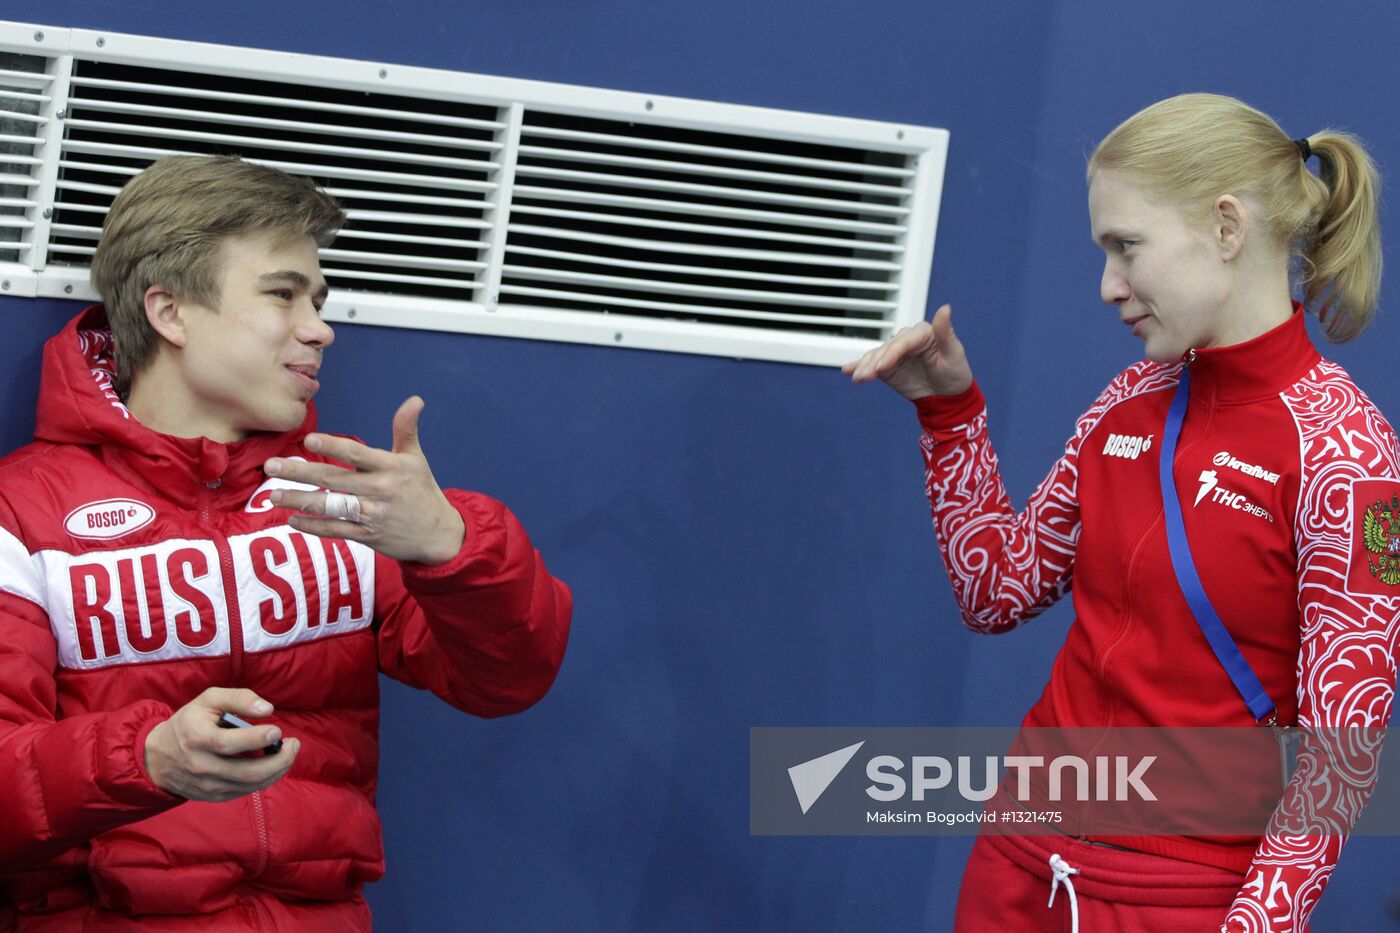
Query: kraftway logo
{"points": [[810, 779], [1223, 459]]}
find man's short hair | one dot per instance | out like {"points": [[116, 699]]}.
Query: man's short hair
{"points": [[167, 228]]}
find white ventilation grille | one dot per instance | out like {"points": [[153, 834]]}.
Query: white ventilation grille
{"points": [[489, 205]]}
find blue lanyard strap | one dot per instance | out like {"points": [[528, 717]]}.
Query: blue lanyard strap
{"points": [[1228, 653]]}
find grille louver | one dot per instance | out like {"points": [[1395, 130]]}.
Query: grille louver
{"points": [[25, 89], [414, 176], [494, 206], [708, 226]]}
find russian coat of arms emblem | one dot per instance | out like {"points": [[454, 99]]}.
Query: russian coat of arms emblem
{"points": [[1380, 534]]}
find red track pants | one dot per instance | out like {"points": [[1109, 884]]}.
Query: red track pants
{"points": [[1007, 884]]}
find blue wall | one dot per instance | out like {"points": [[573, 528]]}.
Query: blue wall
{"points": [[747, 542]]}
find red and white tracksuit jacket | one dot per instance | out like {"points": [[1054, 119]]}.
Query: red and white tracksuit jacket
{"points": [[137, 570], [1280, 461]]}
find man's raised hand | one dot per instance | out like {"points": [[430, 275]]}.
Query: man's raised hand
{"points": [[397, 507]]}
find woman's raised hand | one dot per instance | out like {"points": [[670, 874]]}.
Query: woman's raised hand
{"points": [[926, 359]]}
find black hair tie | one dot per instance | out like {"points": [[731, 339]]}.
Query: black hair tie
{"points": [[1304, 148]]}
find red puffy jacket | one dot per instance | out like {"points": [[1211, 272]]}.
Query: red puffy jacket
{"points": [[137, 570]]}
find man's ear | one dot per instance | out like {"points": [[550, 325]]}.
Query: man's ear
{"points": [[164, 314], [1230, 225]]}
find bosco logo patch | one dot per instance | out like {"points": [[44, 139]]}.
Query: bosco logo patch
{"points": [[1375, 538], [110, 518], [1127, 446]]}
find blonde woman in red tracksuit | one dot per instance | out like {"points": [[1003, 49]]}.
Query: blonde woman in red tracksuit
{"points": [[1288, 479]]}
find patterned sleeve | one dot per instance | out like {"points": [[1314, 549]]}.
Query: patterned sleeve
{"points": [[1347, 536], [1006, 568]]}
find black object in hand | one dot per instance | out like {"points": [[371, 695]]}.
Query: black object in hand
{"points": [[230, 721]]}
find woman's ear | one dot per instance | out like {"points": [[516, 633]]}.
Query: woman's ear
{"points": [[164, 314], [1230, 226]]}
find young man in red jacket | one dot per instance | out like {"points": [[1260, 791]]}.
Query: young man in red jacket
{"points": [[180, 544]]}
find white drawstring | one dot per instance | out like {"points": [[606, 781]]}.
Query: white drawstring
{"points": [[1061, 870]]}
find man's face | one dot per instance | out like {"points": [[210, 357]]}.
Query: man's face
{"points": [[251, 363], [1161, 270]]}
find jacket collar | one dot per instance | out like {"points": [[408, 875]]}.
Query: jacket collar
{"points": [[77, 405], [1257, 368]]}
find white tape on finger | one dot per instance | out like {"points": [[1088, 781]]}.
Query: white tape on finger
{"points": [[342, 505]]}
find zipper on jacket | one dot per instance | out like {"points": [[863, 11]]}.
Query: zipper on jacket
{"points": [[260, 818], [231, 605], [235, 648], [1101, 662], [1101, 666]]}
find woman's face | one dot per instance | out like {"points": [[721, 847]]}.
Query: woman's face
{"points": [[1164, 271]]}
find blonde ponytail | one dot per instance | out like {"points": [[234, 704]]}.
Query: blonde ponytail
{"points": [[1342, 247]]}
